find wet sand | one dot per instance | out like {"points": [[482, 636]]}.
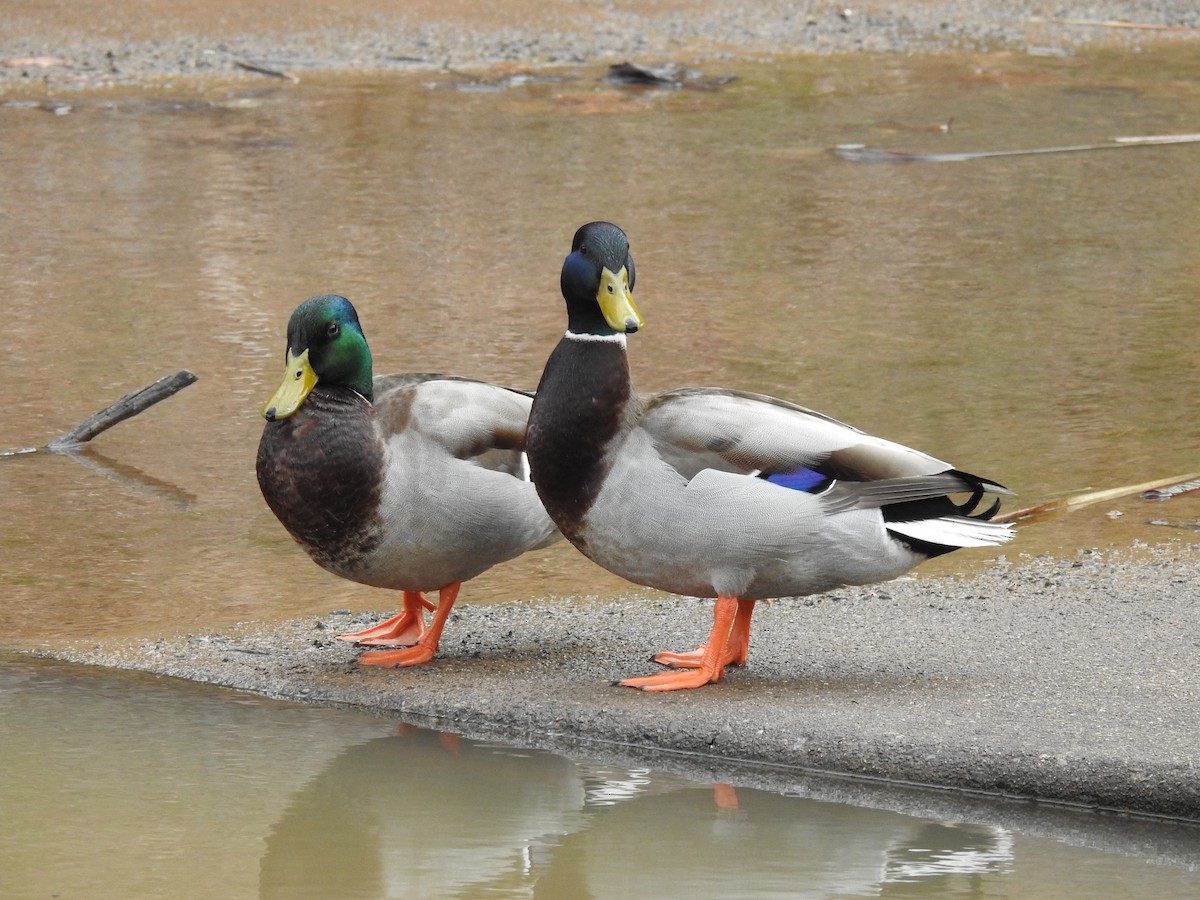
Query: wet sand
{"points": [[1072, 681]]}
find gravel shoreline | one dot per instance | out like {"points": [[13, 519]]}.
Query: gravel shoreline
{"points": [[85, 45], [1069, 681]]}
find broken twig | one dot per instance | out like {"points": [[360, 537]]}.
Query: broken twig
{"points": [[36, 62], [129, 405]]}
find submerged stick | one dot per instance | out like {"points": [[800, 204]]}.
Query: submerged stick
{"points": [[863, 154], [1066, 504], [129, 405]]}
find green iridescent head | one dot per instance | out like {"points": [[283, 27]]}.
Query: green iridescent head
{"points": [[326, 346]]}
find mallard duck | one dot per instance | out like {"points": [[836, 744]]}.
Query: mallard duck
{"points": [[722, 493], [411, 482]]}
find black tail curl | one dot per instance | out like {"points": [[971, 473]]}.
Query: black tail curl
{"points": [[979, 487], [939, 507]]}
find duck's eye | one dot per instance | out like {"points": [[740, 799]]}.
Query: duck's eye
{"points": [[333, 330]]}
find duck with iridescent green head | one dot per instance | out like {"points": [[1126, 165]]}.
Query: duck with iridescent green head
{"points": [[413, 482]]}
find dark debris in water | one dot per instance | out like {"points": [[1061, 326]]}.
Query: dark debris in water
{"points": [[1177, 523], [1174, 490], [627, 74], [260, 69], [668, 75], [55, 108]]}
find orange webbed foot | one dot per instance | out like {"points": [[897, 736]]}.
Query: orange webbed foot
{"points": [[398, 659], [675, 680], [426, 646], [737, 648], [402, 630], [689, 659], [729, 640]]}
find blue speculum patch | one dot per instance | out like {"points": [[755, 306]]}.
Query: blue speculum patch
{"points": [[800, 480]]}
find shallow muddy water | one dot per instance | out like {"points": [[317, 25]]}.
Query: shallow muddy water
{"points": [[1031, 318], [120, 785]]}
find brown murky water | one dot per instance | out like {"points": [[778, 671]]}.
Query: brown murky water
{"points": [[1031, 318]]}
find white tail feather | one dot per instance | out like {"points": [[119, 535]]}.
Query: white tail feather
{"points": [[954, 531]]}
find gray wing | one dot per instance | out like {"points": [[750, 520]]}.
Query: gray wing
{"points": [[471, 420], [465, 426], [698, 428]]}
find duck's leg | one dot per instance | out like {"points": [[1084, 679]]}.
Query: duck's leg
{"points": [[402, 630], [736, 650], [426, 645], [710, 667]]}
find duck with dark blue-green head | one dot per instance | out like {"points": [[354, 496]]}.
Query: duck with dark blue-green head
{"points": [[720, 493]]}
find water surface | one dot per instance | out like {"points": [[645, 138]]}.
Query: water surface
{"points": [[122, 785]]}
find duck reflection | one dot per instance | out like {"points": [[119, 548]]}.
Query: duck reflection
{"points": [[762, 844], [420, 815], [423, 814]]}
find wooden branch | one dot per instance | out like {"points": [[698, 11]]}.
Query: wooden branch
{"points": [[129, 405], [863, 154], [1067, 504]]}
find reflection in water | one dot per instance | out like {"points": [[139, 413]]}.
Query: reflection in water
{"points": [[411, 816], [130, 477], [119, 785], [414, 817], [124, 786], [935, 849]]}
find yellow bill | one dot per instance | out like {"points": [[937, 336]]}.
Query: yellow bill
{"points": [[298, 380], [616, 302]]}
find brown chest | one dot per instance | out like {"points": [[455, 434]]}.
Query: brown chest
{"points": [[321, 473]]}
